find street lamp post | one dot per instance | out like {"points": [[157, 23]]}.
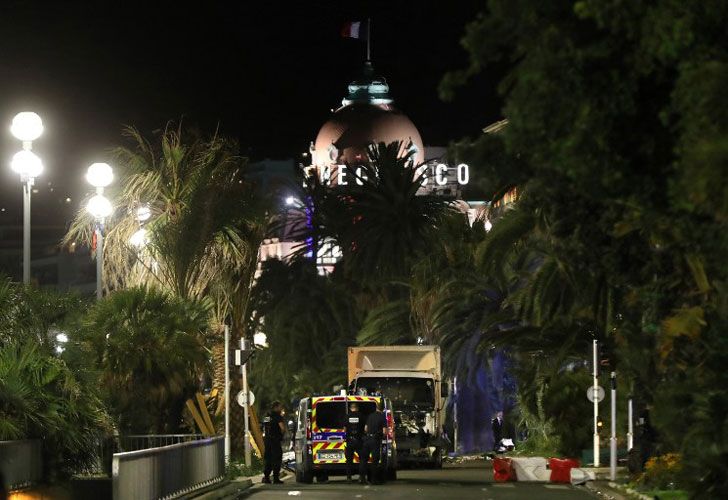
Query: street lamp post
{"points": [[99, 175], [27, 127]]}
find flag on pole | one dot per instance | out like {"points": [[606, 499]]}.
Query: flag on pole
{"points": [[354, 29]]}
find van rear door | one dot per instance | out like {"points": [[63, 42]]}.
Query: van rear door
{"points": [[328, 437]]}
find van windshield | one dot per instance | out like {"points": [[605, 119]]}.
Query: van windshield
{"points": [[332, 414], [401, 390]]}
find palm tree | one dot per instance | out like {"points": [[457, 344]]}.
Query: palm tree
{"points": [[43, 395], [206, 222], [149, 349], [309, 321]]}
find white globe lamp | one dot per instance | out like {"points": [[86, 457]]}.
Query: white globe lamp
{"points": [[260, 339], [143, 213], [99, 206], [27, 126], [139, 238], [99, 175], [27, 164]]}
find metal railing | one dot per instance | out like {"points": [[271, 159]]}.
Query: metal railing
{"points": [[134, 442], [21, 463], [106, 447], [168, 471]]}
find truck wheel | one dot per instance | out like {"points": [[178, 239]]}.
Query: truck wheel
{"points": [[322, 478], [391, 474]]}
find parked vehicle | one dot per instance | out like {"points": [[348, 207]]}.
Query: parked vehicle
{"points": [[320, 440], [411, 377]]}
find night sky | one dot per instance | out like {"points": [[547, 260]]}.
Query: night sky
{"points": [[268, 73]]}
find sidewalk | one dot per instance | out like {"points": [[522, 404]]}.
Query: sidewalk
{"points": [[610, 490], [232, 489]]}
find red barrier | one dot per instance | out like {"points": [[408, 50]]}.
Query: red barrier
{"points": [[503, 470], [561, 469]]}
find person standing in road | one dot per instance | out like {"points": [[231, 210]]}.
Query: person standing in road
{"points": [[354, 430], [497, 428], [374, 431], [274, 428]]}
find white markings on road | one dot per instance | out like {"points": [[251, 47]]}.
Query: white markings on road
{"points": [[556, 486], [294, 493]]}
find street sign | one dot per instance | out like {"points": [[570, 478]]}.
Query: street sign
{"points": [[590, 394], [242, 356], [241, 399]]}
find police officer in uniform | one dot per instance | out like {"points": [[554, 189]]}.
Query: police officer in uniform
{"points": [[374, 431], [274, 428], [354, 430]]}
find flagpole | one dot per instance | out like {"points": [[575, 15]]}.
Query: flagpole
{"points": [[369, 39]]}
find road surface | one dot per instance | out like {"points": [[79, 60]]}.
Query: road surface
{"points": [[452, 482]]}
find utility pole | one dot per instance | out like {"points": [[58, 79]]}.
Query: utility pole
{"points": [[630, 430], [613, 439], [595, 373], [369, 39], [246, 412], [227, 394]]}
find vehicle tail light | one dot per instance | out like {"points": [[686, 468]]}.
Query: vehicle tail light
{"points": [[390, 426]]}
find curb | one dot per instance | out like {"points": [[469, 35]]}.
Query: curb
{"points": [[629, 491], [226, 490], [614, 491]]}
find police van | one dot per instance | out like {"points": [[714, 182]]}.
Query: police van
{"points": [[320, 438]]}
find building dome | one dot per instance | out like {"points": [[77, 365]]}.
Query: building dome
{"points": [[365, 117]]}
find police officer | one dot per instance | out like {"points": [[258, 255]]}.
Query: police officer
{"points": [[354, 430], [274, 429], [374, 431]]}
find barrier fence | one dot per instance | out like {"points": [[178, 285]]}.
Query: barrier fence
{"points": [[168, 471], [21, 463]]}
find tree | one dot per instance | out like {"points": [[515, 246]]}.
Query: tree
{"points": [[206, 222], [615, 111], [149, 349], [309, 321], [41, 395], [378, 220]]}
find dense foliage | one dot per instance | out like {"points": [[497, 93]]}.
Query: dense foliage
{"points": [[150, 352], [617, 119], [41, 395]]}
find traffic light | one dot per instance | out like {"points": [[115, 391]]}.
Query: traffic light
{"points": [[606, 357]]}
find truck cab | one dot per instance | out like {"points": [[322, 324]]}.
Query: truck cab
{"points": [[320, 438], [411, 377]]}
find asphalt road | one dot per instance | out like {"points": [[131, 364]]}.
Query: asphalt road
{"points": [[452, 482]]}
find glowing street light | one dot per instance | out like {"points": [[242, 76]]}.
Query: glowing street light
{"points": [[26, 127], [260, 339], [139, 238], [99, 175], [27, 164], [143, 213]]}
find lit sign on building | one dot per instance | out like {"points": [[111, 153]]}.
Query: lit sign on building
{"points": [[341, 175]]}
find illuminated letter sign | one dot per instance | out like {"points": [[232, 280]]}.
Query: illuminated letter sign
{"points": [[341, 175], [439, 178], [360, 176], [463, 174], [422, 172]]}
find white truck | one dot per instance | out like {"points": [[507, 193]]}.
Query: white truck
{"points": [[411, 377]]}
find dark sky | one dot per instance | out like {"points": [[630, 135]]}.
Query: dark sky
{"points": [[267, 72]]}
